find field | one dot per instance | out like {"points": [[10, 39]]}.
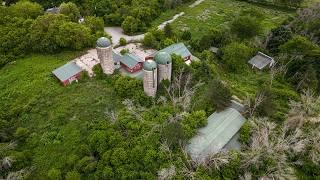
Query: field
{"points": [[218, 13]]}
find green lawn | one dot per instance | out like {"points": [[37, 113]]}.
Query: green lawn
{"points": [[218, 13]]}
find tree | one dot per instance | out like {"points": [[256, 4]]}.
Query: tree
{"points": [[174, 135], [94, 23], [26, 9], [54, 174], [71, 10], [149, 40], [246, 27], [73, 175], [235, 56], [130, 25], [168, 30], [219, 95], [192, 121], [277, 37]]}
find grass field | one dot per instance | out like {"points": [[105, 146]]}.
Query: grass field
{"points": [[58, 117], [218, 13]]}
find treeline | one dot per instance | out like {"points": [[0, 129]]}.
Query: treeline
{"points": [[133, 15], [25, 28], [279, 3]]}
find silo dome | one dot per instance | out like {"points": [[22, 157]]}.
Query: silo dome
{"points": [[149, 65], [163, 58], [103, 42]]}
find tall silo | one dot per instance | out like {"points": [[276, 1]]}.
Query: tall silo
{"points": [[164, 62], [104, 51], [150, 78]]}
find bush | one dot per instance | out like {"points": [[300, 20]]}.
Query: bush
{"points": [[246, 27], [245, 133], [71, 10], [219, 95], [186, 35], [173, 134], [236, 56], [123, 41], [54, 174], [191, 122], [130, 25], [73, 175]]}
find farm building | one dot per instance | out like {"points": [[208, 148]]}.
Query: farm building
{"points": [[261, 61], [68, 73], [54, 10], [131, 63], [220, 133], [179, 49]]}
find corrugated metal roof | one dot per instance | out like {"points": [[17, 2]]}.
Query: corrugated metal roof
{"points": [[179, 49], [67, 71], [130, 60], [211, 139], [116, 57], [261, 60]]}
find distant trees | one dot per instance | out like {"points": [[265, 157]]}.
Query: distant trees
{"points": [[131, 25]]}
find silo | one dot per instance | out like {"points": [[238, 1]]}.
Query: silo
{"points": [[150, 78], [164, 62], [104, 51]]}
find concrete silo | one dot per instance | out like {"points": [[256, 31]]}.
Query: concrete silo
{"points": [[104, 51], [164, 62], [150, 78]]}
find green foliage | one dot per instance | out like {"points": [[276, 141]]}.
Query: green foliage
{"points": [[21, 133], [245, 133], [123, 41], [277, 37], [73, 175], [131, 25], [168, 30], [186, 35], [191, 122], [94, 23], [98, 71], [218, 95], [71, 10], [124, 51], [298, 45], [235, 56], [54, 174], [174, 135], [246, 27], [26, 10]]}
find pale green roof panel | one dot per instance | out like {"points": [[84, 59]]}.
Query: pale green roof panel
{"points": [[211, 139], [67, 71], [179, 49], [130, 60]]}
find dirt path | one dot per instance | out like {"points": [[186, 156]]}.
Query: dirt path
{"points": [[196, 3]]}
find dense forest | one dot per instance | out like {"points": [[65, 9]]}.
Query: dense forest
{"points": [[105, 127]]}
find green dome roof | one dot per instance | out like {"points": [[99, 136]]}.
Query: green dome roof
{"points": [[163, 58], [103, 42], [149, 65]]}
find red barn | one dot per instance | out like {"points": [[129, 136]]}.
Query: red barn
{"points": [[68, 73], [131, 63]]}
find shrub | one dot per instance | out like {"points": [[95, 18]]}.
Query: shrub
{"points": [[123, 41], [124, 51], [173, 134], [246, 27], [71, 10], [245, 133], [236, 55], [186, 35], [73, 175]]}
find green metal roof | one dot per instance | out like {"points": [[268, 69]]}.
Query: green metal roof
{"points": [[149, 65], [130, 60], [211, 139], [67, 71], [179, 49], [163, 58], [103, 42]]}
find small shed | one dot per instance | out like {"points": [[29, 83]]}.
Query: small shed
{"points": [[261, 61], [131, 62], [68, 73], [221, 130]]}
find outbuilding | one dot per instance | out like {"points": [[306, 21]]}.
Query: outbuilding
{"points": [[220, 133], [131, 63], [68, 73], [179, 49], [261, 60]]}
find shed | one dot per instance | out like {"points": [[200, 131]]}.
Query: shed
{"points": [[261, 61], [68, 73], [131, 62], [221, 129]]}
